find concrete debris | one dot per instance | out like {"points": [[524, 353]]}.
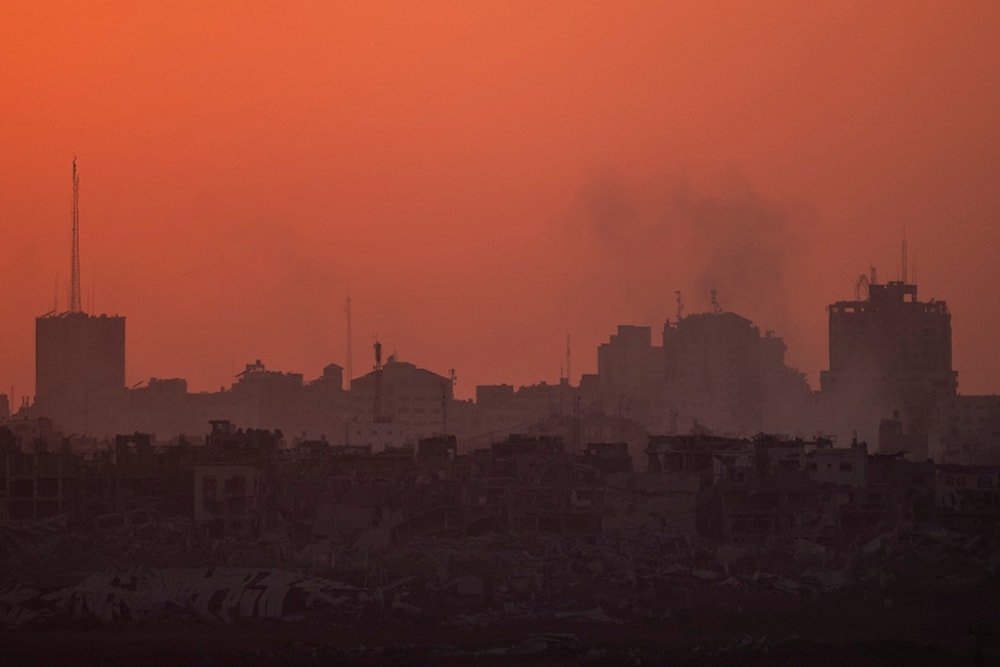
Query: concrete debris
{"points": [[217, 595], [805, 550], [606, 578], [536, 645], [595, 615], [877, 544]]}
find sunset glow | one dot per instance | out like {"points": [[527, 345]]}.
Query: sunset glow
{"points": [[485, 178]]}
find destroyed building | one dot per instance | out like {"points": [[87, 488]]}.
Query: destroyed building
{"points": [[966, 430], [534, 484]]}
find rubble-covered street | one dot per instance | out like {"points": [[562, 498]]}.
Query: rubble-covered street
{"points": [[632, 595]]}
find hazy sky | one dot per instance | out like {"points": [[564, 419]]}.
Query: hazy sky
{"points": [[491, 176]]}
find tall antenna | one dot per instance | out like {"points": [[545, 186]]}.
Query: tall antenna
{"points": [[347, 309], [74, 290], [903, 263], [680, 305], [378, 380], [569, 362]]}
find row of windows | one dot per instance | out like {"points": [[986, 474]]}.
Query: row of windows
{"points": [[844, 466], [961, 481]]}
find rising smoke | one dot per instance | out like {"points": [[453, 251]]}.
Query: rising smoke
{"points": [[648, 238]]}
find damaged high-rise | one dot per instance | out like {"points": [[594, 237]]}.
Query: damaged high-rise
{"points": [[890, 355]]}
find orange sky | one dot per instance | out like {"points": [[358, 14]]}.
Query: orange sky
{"points": [[490, 176]]}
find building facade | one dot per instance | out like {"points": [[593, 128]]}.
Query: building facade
{"points": [[888, 353], [79, 370]]}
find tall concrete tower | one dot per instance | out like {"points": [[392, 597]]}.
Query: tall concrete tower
{"points": [[889, 354], [79, 358]]}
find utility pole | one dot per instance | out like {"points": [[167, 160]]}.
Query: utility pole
{"points": [[569, 362], [378, 380], [903, 260], [349, 369], [74, 289]]}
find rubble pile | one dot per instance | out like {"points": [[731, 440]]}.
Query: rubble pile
{"points": [[150, 567], [217, 595], [144, 539]]}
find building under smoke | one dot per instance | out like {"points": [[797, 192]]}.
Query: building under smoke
{"points": [[890, 354], [714, 370], [720, 371]]}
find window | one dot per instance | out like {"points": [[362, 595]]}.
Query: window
{"points": [[846, 466], [209, 490], [236, 486]]}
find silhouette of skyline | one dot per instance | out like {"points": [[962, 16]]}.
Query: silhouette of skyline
{"points": [[531, 172], [487, 332]]}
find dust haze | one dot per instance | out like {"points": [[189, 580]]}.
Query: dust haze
{"points": [[647, 237]]}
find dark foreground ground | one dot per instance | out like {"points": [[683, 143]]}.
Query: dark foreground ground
{"points": [[908, 597], [911, 629]]}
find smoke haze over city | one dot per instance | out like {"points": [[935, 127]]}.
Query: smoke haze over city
{"points": [[481, 332], [488, 178]]}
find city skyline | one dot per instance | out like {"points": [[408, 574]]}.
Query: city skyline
{"points": [[454, 332], [225, 212]]}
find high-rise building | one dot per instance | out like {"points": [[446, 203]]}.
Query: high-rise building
{"points": [[714, 370], [79, 358], [79, 370], [889, 353], [712, 367], [628, 364]]}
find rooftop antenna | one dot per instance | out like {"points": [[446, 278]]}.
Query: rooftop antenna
{"points": [[378, 379], [444, 399], [569, 361], [903, 259], [74, 290], [861, 288], [680, 305], [444, 408], [716, 308]]}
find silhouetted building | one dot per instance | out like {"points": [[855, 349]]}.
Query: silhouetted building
{"points": [[713, 369], [269, 399], [628, 364], [79, 370], [712, 366], [720, 371], [415, 400], [888, 352], [966, 430], [37, 485]]}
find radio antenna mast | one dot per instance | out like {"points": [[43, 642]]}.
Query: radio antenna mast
{"points": [[74, 290]]}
